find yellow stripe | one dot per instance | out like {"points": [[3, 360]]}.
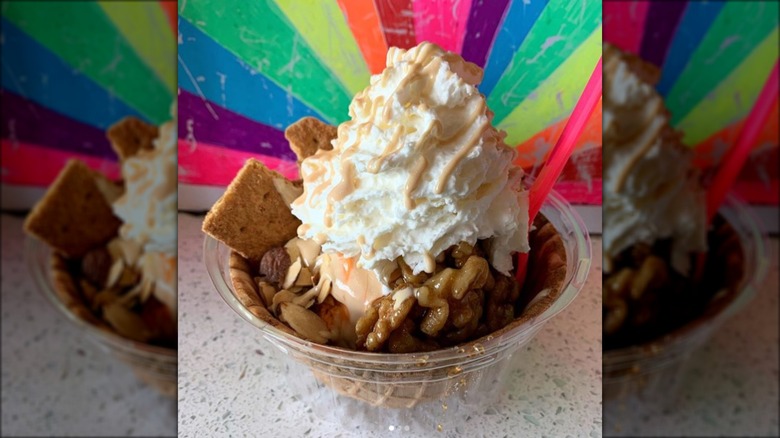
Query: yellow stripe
{"points": [[544, 107], [324, 28], [147, 30], [733, 98]]}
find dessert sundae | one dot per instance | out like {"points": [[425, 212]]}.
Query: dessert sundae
{"points": [[114, 242], [402, 232], [654, 215]]}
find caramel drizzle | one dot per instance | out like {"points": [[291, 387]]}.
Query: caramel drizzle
{"points": [[414, 180], [645, 141], [467, 147], [392, 147]]}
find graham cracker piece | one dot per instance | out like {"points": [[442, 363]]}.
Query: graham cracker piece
{"points": [[130, 135], [252, 216], [74, 215], [308, 135]]}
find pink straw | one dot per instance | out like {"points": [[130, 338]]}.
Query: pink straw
{"points": [[732, 162], [735, 158], [560, 154], [563, 149]]}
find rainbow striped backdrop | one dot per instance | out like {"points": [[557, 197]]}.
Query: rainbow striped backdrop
{"points": [[70, 70], [247, 69], [714, 58]]}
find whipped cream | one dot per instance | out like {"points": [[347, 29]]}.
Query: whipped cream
{"points": [[651, 190], [417, 169], [148, 210]]}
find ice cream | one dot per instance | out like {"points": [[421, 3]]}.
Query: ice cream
{"points": [[418, 168], [651, 191], [148, 212]]}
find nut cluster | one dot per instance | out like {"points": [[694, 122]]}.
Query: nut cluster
{"points": [[112, 288], [463, 299]]}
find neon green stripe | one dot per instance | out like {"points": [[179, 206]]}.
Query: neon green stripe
{"points": [[325, 30], [740, 26], [543, 109], [83, 36], [258, 33], [560, 29], [145, 26], [744, 84]]}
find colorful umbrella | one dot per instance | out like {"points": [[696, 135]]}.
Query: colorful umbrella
{"points": [[247, 69], [714, 58], [70, 70]]}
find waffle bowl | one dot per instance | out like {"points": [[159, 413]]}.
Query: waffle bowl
{"points": [[426, 386], [652, 371], [156, 366]]}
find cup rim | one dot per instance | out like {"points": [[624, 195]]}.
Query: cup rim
{"points": [[575, 280], [35, 251], [734, 210]]}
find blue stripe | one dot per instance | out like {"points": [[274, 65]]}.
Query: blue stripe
{"points": [[517, 23], [695, 23], [34, 72], [222, 78]]}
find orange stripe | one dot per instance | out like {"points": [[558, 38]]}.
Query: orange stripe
{"points": [[363, 20], [707, 150], [171, 10], [591, 135]]}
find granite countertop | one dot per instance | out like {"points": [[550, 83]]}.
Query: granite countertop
{"points": [[55, 382], [225, 390], [731, 384]]}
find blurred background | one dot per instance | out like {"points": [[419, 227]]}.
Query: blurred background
{"points": [[714, 57], [721, 379], [69, 71], [239, 90]]}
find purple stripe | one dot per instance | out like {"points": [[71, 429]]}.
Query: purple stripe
{"points": [[660, 25], [28, 122], [210, 123], [484, 21]]}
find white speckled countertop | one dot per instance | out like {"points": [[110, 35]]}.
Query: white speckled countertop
{"points": [[731, 384], [55, 382], [555, 390]]}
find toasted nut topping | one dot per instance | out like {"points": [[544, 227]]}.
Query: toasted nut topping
{"points": [[305, 322]]}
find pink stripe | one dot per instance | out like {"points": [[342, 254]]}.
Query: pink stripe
{"points": [[460, 10], [210, 165], [32, 165], [441, 21], [624, 24], [580, 192]]}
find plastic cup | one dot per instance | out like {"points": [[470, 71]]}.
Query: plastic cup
{"points": [[153, 365], [651, 373], [421, 392]]}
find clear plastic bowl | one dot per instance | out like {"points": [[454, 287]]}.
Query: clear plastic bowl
{"points": [[412, 392], [153, 365], [651, 373]]}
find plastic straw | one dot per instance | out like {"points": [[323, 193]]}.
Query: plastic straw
{"points": [[560, 154], [733, 161]]}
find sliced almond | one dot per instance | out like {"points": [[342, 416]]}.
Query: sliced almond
{"points": [[88, 290], [292, 248], [287, 190], [265, 290], [309, 250], [324, 288], [126, 323], [292, 273], [283, 296], [305, 322], [104, 298], [116, 271], [304, 278], [128, 278], [306, 299]]}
